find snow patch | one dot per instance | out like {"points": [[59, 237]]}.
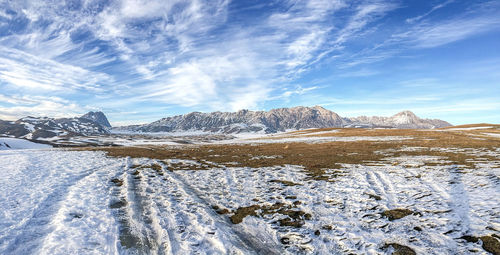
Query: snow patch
{"points": [[465, 129], [20, 144], [492, 134]]}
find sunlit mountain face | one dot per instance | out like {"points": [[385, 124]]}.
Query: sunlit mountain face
{"points": [[140, 61]]}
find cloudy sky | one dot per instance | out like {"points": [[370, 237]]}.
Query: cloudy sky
{"points": [[139, 61]]}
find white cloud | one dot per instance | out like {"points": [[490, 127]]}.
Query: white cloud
{"points": [[248, 97], [433, 9], [28, 72], [168, 51], [364, 15], [422, 33], [433, 35], [299, 90], [220, 81], [39, 106]]}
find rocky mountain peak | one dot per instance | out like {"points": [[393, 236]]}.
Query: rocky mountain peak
{"points": [[405, 117], [406, 113], [97, 117]]}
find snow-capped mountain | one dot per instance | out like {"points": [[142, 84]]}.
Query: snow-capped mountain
{"points": [[245, 121], [43, 127], [404, 119], [278, 120], [97, 117]]}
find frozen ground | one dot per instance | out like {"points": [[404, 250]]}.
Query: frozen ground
{"points": [[17, 144], [80, 202], [446, 203], [56, 202], [63, 202]]}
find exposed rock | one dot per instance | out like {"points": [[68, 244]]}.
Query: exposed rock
{"points": [[97, 117], [400, 249], [470, 239], [396, 214], [278, 120], [246, 121], [491, 244]]}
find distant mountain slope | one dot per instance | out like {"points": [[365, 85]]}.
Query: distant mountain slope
{"points": [[42, 127], [405, 119], [278, 120]]}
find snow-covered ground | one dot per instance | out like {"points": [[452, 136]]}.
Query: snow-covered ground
{"points": [[63, 202], [448, 203], [467, 129], [79, 202], [243, 138], [56, 202], [492, 134], [19, 144]]}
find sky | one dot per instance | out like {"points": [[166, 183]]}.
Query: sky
{"points": [[142, 60]]}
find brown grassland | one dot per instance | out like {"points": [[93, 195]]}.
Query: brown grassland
{"points": [[317, 157]]}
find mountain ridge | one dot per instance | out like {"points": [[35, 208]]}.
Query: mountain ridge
{"points": [[34, 128], [242, 121], [279, 120]]}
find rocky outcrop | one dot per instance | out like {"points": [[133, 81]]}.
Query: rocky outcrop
{"points": [[97, 117]]}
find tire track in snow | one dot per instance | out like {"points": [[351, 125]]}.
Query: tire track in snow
{"points": [[138, 231], [170, 218], [237, 238], [459, 201]]}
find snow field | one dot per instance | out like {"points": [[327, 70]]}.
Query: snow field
{"points": [[77, 202], [55, 202], [20, 144], [448, 203]]}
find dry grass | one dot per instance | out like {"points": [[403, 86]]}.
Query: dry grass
{"points": [[294, 217], [117, 182], [316, 158]]}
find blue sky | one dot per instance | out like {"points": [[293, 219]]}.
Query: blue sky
{"points": [[139, 61]]}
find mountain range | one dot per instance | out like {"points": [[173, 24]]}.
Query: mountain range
{"points": [[279, 120], [40, 128], [276, 120]]}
